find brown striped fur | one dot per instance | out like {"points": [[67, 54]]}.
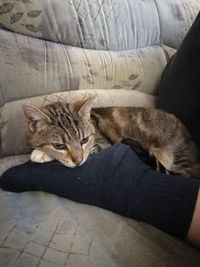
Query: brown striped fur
{"points": [[162, 134], [67, 125]]}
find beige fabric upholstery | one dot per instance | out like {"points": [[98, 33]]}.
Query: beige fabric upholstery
{"points": [[103, 25], [38, 67]]}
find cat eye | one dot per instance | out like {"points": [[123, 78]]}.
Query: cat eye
{"points": [[59, 146], [84, 140]]}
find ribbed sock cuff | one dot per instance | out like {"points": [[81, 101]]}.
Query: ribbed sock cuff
{"points": [[166, 202]]}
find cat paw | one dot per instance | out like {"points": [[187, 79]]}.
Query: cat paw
{"points": [[40, 156]]}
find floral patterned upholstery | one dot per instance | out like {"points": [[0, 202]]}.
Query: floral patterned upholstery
{"points": [[68, 49]]}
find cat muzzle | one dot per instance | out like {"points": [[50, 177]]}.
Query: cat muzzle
{"points": [[77, 158]]}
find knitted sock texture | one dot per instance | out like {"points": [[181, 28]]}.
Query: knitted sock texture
{"points": [[117, 180]]}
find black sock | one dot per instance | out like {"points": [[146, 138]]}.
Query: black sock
{"points": [[117, 180]]}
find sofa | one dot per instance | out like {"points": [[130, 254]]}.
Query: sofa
{"points": [[67, 50]]}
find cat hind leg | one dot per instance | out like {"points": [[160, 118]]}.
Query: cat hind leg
{"points": [[164, 157], [181, 166]]}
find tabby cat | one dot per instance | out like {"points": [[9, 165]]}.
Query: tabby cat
{"points": [[70, 132]]}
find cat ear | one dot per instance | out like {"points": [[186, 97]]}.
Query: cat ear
{"points": [[35, 117], [84, 107]]}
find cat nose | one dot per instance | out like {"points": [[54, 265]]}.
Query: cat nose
{"points": [[77, 159]]}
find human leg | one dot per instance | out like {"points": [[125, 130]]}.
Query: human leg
{"points": [[179, 90], [193, 234], [117, 180]]}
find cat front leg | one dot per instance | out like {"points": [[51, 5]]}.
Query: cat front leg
{"points": [[39, 156]]}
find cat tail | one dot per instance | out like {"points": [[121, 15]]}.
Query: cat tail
{"points": [[194, 170]]}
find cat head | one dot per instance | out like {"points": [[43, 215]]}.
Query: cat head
{"points": [[64, 131]]}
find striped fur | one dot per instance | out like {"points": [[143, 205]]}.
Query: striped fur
{"points": [[71, 132], [158, 132], [64, 132]]}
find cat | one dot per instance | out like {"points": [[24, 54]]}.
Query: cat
{"points": [[63, 132], [70, 132]]}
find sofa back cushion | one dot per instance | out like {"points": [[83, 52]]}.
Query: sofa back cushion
{"points": [[33, 67], [103, 25]]}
